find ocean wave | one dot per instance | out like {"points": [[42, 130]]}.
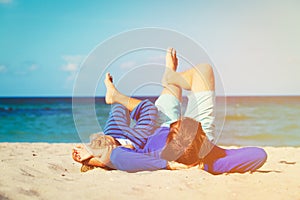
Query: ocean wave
{"points": [[290, 127], [269, 137], [6, 109], [237, 117]]}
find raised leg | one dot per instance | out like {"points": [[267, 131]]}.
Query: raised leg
{"points": [[118, 123], [171, 67], [200, 81], [114, 96]]}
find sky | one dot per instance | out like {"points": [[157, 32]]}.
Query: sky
{"points": [[254, 45]]}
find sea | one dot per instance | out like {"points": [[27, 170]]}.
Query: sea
{"points": [[247, 120]]}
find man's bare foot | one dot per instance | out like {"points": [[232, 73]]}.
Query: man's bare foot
{"points": [[111, 91], [80, 154]]}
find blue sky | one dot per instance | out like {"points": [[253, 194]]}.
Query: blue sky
{"points": [[255, 45]]}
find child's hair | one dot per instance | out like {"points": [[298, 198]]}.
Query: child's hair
{"points": [[99, 141]]}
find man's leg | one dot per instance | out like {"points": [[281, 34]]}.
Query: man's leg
{"points": [[201, 100], [197, 79], [200, 81]]}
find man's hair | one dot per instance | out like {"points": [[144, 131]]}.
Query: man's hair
{"points": [[184, 141]]}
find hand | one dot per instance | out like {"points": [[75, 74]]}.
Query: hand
{"points": [[79, 153], [172, 165]]}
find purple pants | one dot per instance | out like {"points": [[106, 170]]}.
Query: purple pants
{"points": [[239, 160]]}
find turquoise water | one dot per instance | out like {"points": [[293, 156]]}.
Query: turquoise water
{"points": [[272, 121], [266, 121]]}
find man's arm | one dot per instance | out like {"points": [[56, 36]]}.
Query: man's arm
{"points": [[131, 161]]}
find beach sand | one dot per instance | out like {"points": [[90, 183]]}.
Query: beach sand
{"points": [[47, 171]]}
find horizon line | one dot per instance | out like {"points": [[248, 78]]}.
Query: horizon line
{"points": [[241, 95]]}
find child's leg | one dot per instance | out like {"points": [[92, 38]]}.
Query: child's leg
{"points": [[114, 96], [118, 123], [118, 120]]}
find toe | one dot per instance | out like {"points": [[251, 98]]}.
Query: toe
{"points": [[169, 51], [75, 156], [107, 75]]}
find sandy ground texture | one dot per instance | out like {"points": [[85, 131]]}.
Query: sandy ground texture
{"points": [[47, 171]]}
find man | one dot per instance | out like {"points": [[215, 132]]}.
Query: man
{"points": [[185, 139]]}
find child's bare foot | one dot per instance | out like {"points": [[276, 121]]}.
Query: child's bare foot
{"points": [[111, 91], [171, 66], [171, 59]]}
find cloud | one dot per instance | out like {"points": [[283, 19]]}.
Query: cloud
{"points": [[128, 65], [33, 67], [157, 59], [25, 67], [72, 65], [3, 68], [5, 1], [160, 59]]}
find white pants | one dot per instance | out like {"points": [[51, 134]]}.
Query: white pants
{"points": [[200, 107]]}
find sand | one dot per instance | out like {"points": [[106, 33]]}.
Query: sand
{"points": [[47, 171]]}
